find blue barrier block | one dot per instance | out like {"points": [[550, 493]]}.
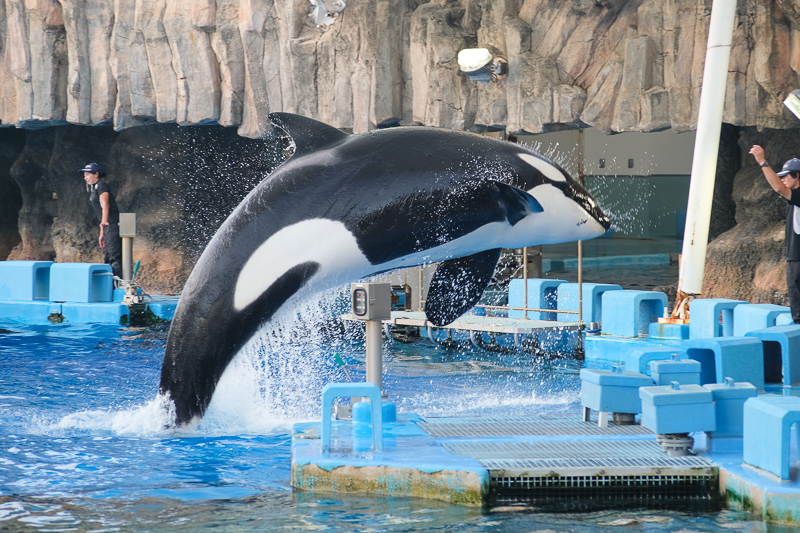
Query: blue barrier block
{"points": [[751, 317], [629, 313], [729, 398], [767, 421], [81, 282], [705, 316], [568, 299], [542, 294], [781, 353], [740, 358], [683, 371], [332, 391], [784, 319], [612, 391], [677, 409], [94, 313], [25, 280], [29, 312], [638, 359]]}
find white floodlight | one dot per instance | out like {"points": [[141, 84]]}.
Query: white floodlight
{"points": [[793, 102], [478, 64], [325, 12]]}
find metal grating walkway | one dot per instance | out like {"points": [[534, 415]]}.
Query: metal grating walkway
{"points": [[587, 457], [520, 426], [561, 463]]}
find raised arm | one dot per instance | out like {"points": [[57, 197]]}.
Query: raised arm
{"points": [[772, 178]]}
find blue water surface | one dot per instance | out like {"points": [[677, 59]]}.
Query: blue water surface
{"points": [[83, 445]]}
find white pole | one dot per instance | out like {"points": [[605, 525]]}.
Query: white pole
{"points": [[706, 148]]}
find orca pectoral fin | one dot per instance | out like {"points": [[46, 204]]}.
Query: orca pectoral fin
{"points": [[518, 203], [308, 135], [457, 286]]}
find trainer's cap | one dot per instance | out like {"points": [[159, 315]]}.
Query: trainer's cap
{"points": [[792, 165], [94, 167]]}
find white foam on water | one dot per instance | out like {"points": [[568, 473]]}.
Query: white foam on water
{"points": [[496, 401], [151, 419], [273, 382], [277, 378]]}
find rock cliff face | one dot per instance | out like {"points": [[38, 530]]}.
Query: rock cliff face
{"points": [[76, 76], [618, 65]]}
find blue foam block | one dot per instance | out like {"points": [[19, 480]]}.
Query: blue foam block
{"points": [[612, 391], [781, 349], [729, 398], [705, 317], [81, 282], [679, 409], [751, 317], [630, 313], [542, 294], [740, 358], [25, 280], [767, 422], [592, 308]]}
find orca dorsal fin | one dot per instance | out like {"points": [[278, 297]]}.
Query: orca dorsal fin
{"points": [[309, 135]]}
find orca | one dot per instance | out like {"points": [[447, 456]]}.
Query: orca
{"points": [[345, 207]]}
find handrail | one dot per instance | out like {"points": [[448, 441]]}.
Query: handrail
{"points": [[526, 309]]}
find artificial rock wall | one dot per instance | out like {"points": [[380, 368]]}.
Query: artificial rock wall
{"points": [[618, 65], [76, 76]]}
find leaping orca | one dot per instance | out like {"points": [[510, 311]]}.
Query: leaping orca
{"points": [[345, 207]]}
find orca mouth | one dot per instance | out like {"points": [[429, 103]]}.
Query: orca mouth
{"points": [[588, 204]]}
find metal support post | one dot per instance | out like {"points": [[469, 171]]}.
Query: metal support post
{"points": [[127, 230], [374, 353]]}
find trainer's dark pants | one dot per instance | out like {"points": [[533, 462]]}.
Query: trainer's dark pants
{"points": [[793, 283], [113, 249]]}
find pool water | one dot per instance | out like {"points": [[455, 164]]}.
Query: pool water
{"points": [[83, 445]]}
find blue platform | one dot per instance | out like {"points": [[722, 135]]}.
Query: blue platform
{"points": [[43, 292]]}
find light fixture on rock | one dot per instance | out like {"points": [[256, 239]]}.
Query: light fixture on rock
{"points": [[793, 102], [480, 65], [325, 12]]}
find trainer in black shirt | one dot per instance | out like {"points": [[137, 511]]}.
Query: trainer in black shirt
{"points": [[107, 213], [786, 183]]}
